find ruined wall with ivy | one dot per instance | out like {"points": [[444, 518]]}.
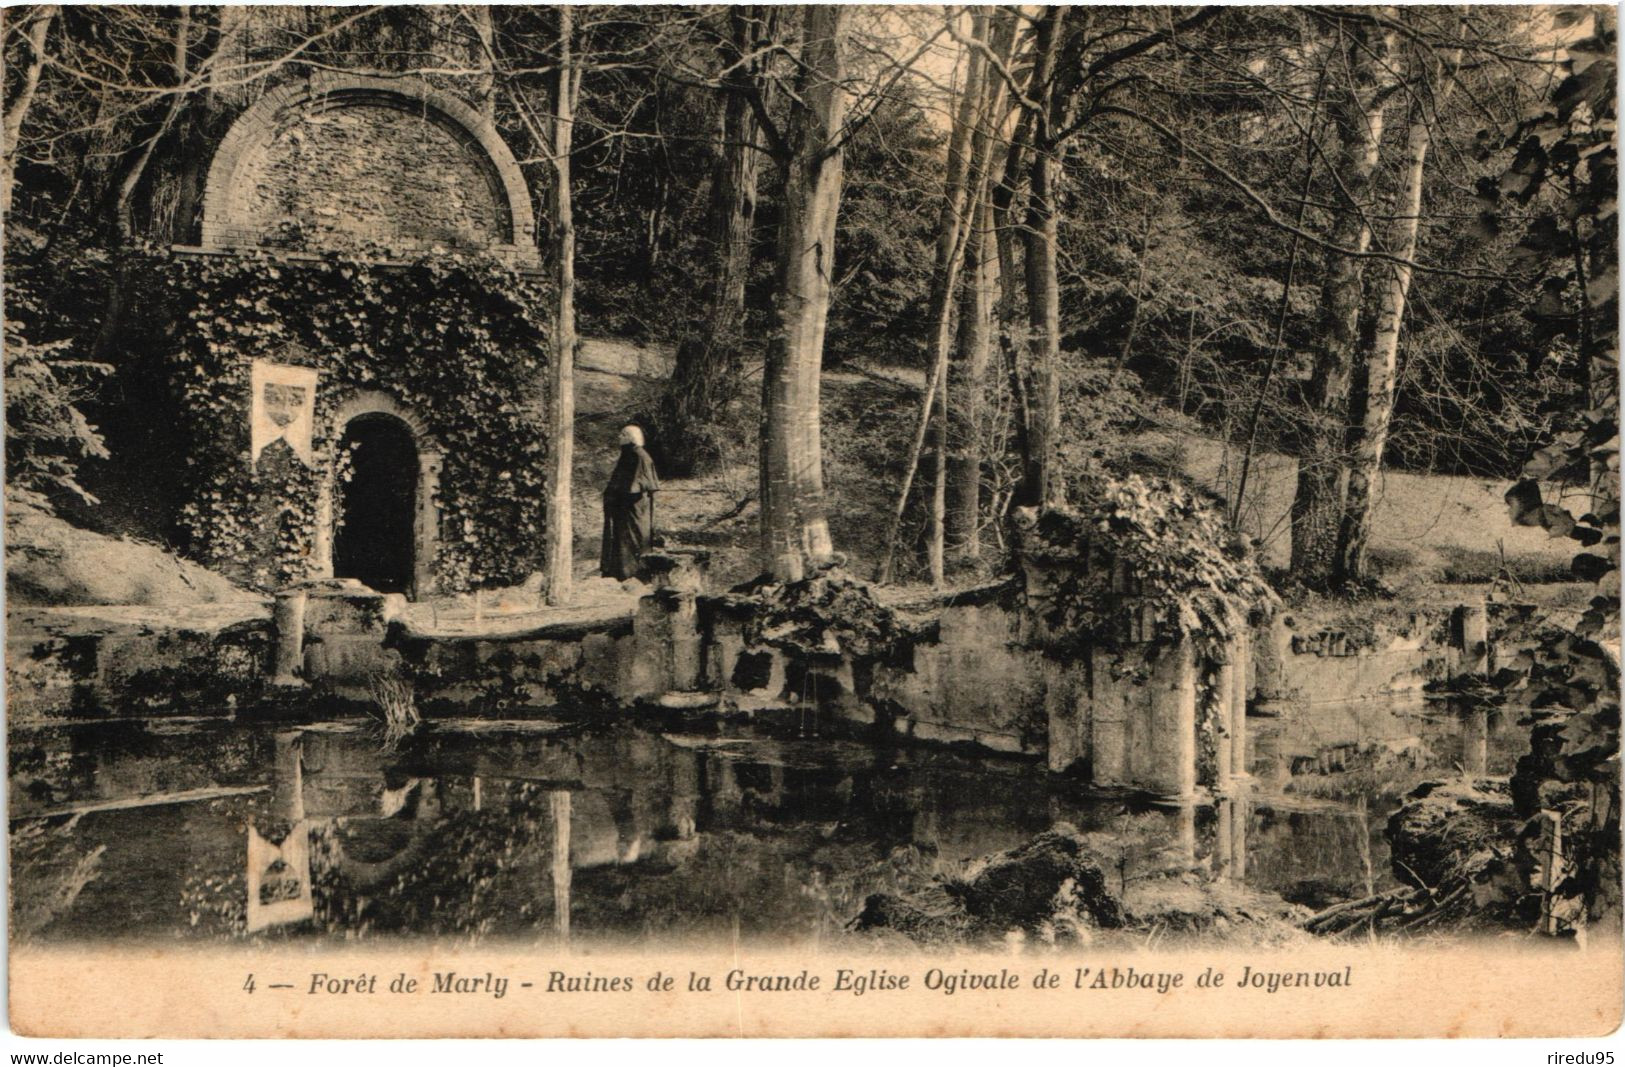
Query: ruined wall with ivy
{"points": [[460, 340]]}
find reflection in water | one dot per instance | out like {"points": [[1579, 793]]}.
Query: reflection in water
{"points": [[558, 803], [278, 879], [561, 833]]}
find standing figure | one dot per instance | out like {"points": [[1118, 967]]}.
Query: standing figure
{"points": [[629, 508]]}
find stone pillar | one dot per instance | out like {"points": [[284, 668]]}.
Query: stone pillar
{"points": [[1113, 701], [426, 524], [1185, 835], [288, 621], [666, 627], [1473, 640], [322, 547], [1167, 751], [1224, 690], [1238, 836], [1241, 655], [1223, 839]]}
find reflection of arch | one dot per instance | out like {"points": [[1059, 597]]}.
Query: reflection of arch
{"points": [[426, 527], [224, 206]]}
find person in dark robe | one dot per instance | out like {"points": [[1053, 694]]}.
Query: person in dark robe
{"points": [[629, 508]]}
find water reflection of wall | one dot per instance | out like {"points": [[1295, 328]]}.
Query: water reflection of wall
{"points": [[620, 831]]}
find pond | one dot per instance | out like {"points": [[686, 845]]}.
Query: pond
{"points": [[482, 830]]}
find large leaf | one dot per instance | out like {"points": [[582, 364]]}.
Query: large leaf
{"points": [[1590, 567], [1524, 503]]}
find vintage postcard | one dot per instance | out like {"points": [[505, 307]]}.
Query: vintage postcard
{"points": [[819, 521]]}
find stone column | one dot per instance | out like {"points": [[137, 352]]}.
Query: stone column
{"points": [[1472, 628], [1224, 690], [1241, 655], [1168, 750], [1112, 701], [1238, 836], [322, 546], [666, 627], [1224, 839], [288, 620]]}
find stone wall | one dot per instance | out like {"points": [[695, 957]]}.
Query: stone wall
{"points": [[348, 176], [339, 163], [1300, 661], [975, 682], [66, 664]]}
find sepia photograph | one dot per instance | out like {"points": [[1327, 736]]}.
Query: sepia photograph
{"points": [[813, 521]]}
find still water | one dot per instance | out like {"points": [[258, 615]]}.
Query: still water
{"points": [[538, 830]]}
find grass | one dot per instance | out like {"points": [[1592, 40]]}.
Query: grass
{"points": [[1437, 528], [397, 709]]}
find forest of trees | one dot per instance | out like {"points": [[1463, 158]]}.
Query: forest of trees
{"points": [[1329, 232]]}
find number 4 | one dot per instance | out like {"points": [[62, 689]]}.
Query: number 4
{"points": [[249, 984]]}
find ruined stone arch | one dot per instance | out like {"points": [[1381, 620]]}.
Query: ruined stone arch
{"points": [[244, 177]]}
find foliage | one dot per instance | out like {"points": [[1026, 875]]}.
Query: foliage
{"points": [[47, 435], [1149, 545], [458, 340], [885, 236], [823, 616], [47, 380], [1571, 680]]}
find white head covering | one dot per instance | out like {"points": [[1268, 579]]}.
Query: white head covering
{"points": [[631, 435]]}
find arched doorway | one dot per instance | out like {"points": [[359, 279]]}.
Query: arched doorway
{"points": [[378, 504]]}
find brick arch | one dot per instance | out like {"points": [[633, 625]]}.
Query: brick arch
{"points": [[377, 402], [255, 129]]}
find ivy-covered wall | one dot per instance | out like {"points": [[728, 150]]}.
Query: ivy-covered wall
{"points": [[460, 340]]}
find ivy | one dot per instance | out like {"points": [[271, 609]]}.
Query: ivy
{"points": [[1566, 171], [461, 340], [1146, 554]]}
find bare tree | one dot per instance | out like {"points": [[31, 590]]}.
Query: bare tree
{"points": [[566, 85], [706, 370], [33, 24], [794, 526], [1358, 106], [1369, 434], [961, 189]]}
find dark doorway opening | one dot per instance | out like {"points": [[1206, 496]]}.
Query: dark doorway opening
{"points": [[379, 504]]}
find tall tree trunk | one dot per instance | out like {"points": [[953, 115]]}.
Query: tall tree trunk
{"points": [[484, 86], [706, 371], [951, 227], [795, 529], [959, 194], [967, 373], [1369, 436], [967, 382], [1040, 239], [38, 21], [1007, 311], [1357, 112], [560, 562]]}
